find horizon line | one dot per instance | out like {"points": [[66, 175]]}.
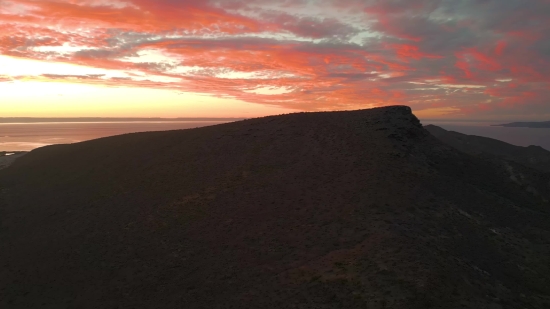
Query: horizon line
{"points": [[13, 120]]}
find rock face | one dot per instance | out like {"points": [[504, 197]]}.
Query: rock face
{"points": [[361, 209], [533, 156]]}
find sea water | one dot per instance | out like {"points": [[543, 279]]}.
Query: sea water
{"points": [[28, 136]]}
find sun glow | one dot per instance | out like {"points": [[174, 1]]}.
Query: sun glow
{"points": [[29, 91], [51, 99]]}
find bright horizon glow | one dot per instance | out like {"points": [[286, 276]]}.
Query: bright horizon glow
{"points": [[52, 99], [36, 96], [216, 58]]}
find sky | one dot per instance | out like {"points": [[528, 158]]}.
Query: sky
{"points": [[447, 59]]}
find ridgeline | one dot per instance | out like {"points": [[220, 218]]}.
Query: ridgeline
{"points": [[358, 209]]}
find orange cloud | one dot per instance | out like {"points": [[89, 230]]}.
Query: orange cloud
{"points": [[341, 54]]}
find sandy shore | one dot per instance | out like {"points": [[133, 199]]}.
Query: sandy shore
{"points": [[7, 158]]}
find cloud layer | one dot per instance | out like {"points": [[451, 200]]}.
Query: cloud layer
{"points": [[470, 57]]}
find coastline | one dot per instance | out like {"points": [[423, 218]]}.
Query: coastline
{"points": [[531, 125], [8, 157]]}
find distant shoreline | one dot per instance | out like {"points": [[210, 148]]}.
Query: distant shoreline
{"points": [[8, 157], [10, 153], [534, 125]]}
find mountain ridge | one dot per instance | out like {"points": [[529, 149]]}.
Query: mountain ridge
{"points": [[310, 210]]}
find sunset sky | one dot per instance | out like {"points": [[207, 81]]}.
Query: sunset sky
{"points": [[468, 59]]}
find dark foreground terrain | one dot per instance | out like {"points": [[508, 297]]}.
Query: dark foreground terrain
{"points": [[361, 209]]}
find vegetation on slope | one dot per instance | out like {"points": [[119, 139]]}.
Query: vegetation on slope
{"points": [[361, 209]]}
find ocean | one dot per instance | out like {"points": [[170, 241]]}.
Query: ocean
{"points": [[28, 136]]}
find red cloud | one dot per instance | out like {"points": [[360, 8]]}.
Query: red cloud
{"points": [[407, 52], [345, 54]]}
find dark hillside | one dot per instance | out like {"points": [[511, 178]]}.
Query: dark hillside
{"points": [[534, 157], [361, 209]]}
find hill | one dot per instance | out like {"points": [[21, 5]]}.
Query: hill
{"points": [[533, 156], [359, 209]]}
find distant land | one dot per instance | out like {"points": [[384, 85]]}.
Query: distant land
{"points": [[333, 210], [8, 157], [532, 156], [101, 119], [536, 125]]}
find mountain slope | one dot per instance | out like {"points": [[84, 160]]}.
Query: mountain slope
{"points": [[361, 209], [533, 156]]}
